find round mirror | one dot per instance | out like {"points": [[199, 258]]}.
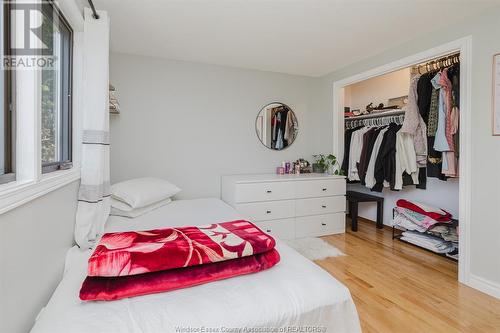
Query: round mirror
{"points": [[276, 126]]}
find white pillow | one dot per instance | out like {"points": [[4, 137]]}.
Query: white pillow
{"points": [[119, 208], [141, 192]]}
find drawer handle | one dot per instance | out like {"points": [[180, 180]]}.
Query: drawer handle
{"points": [[269, 191], [324, 190], [268, 212], [323, 224], [268, 230], [324, 206]]}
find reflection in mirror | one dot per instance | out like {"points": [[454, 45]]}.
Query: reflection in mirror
{"points": [[276, 126]]}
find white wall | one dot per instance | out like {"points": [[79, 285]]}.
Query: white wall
{"points": [[377, 90], [34, 239], [191, 123], [485, 226]]}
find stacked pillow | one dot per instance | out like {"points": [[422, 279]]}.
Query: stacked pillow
{"points": [[139, 196]]}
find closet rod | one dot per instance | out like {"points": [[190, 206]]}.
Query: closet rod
{"points": [[377, 115], [96, 16], [437, 64]]}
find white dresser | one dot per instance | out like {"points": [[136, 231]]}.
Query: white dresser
{"points": [[289, 206]]}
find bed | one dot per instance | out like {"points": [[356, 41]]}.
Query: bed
{"points": [[295, 294]]}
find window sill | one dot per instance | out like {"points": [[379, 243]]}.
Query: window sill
{"points": [[15, 194]]}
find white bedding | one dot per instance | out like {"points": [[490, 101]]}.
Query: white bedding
{"points": [[295, 293]]}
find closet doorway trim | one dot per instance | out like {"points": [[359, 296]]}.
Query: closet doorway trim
{"points": [[464, 46]]}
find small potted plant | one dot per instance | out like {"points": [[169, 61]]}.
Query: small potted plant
{"points": [[320, 165], [326, 163]]}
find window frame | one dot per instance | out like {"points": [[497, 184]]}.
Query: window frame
{"points": [[8, 105], [29, 182], [66, 99]]}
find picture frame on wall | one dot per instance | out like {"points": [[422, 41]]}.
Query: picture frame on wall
{"points": [[496, 95]]}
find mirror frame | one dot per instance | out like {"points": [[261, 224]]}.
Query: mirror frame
{"points": [[255, 125]]}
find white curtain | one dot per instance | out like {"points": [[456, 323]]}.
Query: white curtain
{"points": [[94, 193]]}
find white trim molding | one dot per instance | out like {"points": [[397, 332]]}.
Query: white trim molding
{"points": [[484, 285], [15, 194], [464, 46]]}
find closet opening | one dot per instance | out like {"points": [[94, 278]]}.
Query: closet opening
{"points": [[402, 136]]}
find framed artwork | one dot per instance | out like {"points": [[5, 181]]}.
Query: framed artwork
{"points": [[496, 95]]}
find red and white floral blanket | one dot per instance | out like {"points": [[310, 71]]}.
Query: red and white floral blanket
{"points": [[139, 252]]}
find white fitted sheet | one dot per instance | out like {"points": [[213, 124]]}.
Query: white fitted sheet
{"points": [[294, 293]]}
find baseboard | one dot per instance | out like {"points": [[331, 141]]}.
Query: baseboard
{"points": [[484, 285], [365, 220]]}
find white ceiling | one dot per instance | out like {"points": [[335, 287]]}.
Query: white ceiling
{"points": [[305, 37]]}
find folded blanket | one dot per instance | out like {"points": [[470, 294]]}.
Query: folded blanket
{"points": [[434, 213], [138, 252], [113, 288]]}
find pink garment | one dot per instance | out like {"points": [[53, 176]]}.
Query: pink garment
{"points": [[452, 164], [414, 124], [446, 85], [455, 119]]}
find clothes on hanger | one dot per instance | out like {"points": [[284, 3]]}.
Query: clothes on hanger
{"points": [[440, 111], [284, 128], [370, 171], [414, 123], [425, 145], [355, 153], [379, 157]]}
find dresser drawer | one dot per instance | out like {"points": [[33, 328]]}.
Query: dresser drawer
{"points": [[282, 229], [320, 188], [319, 225], [269, 210], [264, 191], [317, 206]]}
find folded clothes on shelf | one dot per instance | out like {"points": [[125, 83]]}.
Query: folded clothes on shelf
{"points": [[447, 232], [434, 213], [413, 220], [428, 242], [401, 219]]}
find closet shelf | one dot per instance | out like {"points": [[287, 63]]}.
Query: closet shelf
{"points": [[395, 112], [397, 234], [398, 237]]}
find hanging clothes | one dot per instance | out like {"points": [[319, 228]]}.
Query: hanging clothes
{"points": [[283, 129], [370, 180], [434, 157], [368, 142], [446, 86], [432, 123], [355, 153], [406, 160], [385, 165], [347, 145], [440, 143], [414, 123]]}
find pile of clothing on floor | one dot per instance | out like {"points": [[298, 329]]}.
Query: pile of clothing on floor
{"points": [[426, 226]]}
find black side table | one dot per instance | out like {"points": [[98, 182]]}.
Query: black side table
{"points": [[355, 198]]}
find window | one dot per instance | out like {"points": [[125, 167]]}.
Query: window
{"points": [[56, 122], [6, 146]]}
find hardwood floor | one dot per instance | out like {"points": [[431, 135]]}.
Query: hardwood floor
{"points": [[400, 288]]}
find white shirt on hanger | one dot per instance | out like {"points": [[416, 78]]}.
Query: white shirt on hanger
{"points": [[355, 153], [406, 159]]}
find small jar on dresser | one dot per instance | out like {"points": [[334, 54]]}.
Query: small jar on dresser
{"points": [[289, 206]]}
